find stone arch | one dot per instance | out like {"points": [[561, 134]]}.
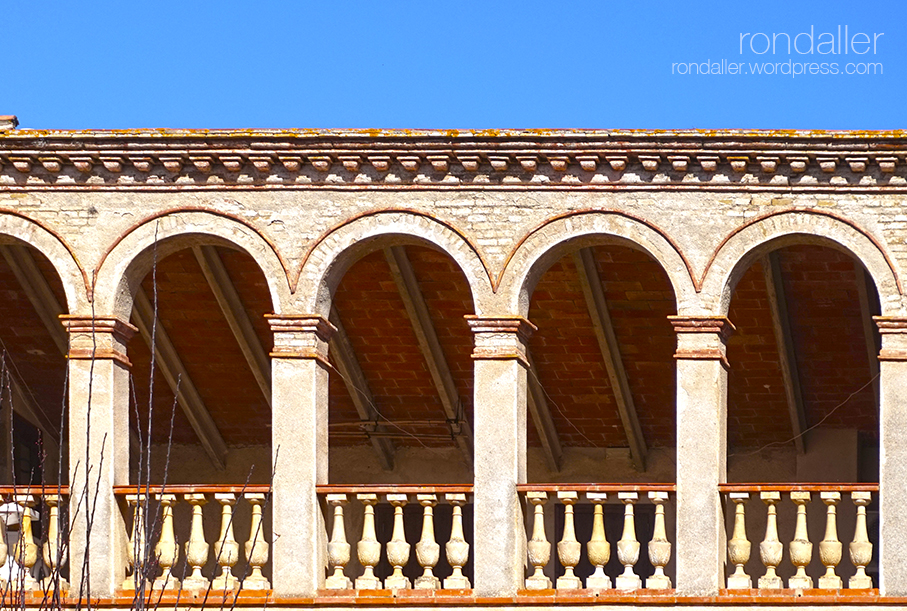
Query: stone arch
{"points": [[334, 252], [132, 255], [760, 236], [72, 275], [541, 247]]}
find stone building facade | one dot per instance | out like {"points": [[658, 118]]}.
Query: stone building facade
{"points": [[562, 348]]}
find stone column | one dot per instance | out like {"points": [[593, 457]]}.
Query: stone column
{"points": [[500, 369], [701, 451], [892, 548], [98, 450], [299, 450]]}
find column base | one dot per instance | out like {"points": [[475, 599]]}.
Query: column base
{"points": [[368, 583], [538, 583], [338, 583], [457, 583], [599, 582], [395, 583], [569, 583], [221, 584], [800, 583], [770, 583], [739, 582], [427, 582], [860, 583], [628, 582], [658, 582], [256, 583], [830, 582]]}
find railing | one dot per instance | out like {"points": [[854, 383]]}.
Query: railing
{"points": [[600, 566], [151, 515], [399, 572], [806, 565], [30, 563]]}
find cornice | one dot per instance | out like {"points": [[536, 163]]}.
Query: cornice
{"points": [[713, 160]]}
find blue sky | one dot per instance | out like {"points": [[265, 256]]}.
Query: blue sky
{"points": [[421, 64]]}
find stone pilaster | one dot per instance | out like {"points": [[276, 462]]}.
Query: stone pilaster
{"points": [[701, 451], [892, 544], [500, 369], [299, 447], [99, 419]]}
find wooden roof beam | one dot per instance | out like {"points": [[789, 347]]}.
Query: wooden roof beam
{"points": [[237, 318], [865, 288], [594, 292], [187, 395], [344, 359], [416, 308], [787, 358], [541, 418]]}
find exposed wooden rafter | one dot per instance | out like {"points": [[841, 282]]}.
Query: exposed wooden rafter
{"points": [[344, 359], [541, 418], [414, 302], [187, 395], [594, 292], [240, 324], [787, 358]]}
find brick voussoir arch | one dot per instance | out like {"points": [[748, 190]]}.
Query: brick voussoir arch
{"points": [[761, 235], [329, 257], [541, 247], [61, 255], [129, 258]]}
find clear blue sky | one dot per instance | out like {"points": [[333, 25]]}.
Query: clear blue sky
{"points": [[421, 64]]}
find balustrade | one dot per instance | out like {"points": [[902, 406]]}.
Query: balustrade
{"points": [[642, 552], [435, 510], [804, 557], [161, 535]]}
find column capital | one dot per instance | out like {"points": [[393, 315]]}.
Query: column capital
{"points": [[702, 337], [98, 337], [500, 337], [893, 330], [301, 336]]}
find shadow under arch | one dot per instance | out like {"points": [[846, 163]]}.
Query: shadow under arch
{"points": [[539, 249], [124, 265], [744, 246], [18, 229], [326, 262]]}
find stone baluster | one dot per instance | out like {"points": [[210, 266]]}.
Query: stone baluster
{"points": [[830, 548], [4, 550], [196, 547], [136, 549], [860, 547], [738, 547], [166, 550], [256, 547], [368, 549], [569, 549], [598, 549], [55, 549], [397, 548], [659, 546], [801, 550], [338, 548], [25, 551], [428, 552], [538, 547], [457, 549], [770, 549], [628, 546], [226, 549]]}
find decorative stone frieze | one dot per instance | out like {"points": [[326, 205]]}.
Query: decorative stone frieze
{"points": [[100, 337], [732, 160]]}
